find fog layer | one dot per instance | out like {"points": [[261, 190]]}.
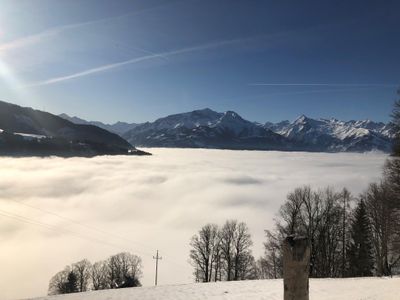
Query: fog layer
{"points": [[56, 211]]}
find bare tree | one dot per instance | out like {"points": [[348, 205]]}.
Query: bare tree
{"points": [[385, 221], [58, 283], [204, 247], [346, 198], [271, 265], [217, 258], [227, 247], [242, 253], [99, 275], [235, 249], [290, 212], [64, 282], [223, 254], [318, 215], [123, 268], [82, 270]]}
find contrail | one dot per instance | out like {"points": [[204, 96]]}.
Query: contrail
{"points": [[325, 84], [163, 55], [38, 37], [94, 70]]}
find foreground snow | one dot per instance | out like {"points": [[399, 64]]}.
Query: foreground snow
{"points": [[322, 289]]}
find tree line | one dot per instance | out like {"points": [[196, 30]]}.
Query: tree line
{"points": [[118, 271], [349, 236], [223, 253]]}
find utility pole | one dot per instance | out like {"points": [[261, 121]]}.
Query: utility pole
{"points": [[157, 258]]}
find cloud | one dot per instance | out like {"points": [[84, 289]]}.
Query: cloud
{"points": [[140, 204], [243, 180]]}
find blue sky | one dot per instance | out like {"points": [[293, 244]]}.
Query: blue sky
{"points": [[139, 60]]}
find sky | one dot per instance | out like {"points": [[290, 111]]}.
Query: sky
{"points": [[136, 61], [57, 211]]}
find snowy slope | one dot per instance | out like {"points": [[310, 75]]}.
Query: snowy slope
{"points": [[336, 135], [320, 289], [333, 127], [206, 129]]}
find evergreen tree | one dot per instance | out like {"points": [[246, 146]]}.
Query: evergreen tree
{"points": [[72, 283], [361, 262]]}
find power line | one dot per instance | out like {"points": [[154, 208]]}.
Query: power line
{"points": [[80, 224], [54, 228], [48, 226]]}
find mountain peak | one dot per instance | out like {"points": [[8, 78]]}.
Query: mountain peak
{"points": [[301, 119], [64, 116], [231, 114], [205, 110]]}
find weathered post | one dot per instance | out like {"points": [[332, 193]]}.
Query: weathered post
{"points": [[296, 265]]}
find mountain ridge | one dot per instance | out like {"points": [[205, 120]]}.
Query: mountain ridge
{"points": [[26, 132], [206, 128], [117, 127]]}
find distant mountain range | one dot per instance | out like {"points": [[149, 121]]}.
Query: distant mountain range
{"points": [[333, 135], [25, 131], [209, 129], [118, 127]]}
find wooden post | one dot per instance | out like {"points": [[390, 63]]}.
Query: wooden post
{"points": [[296, 265]]}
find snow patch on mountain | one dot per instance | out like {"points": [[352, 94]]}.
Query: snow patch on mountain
{"points": [[206, 128], [335, 135]]}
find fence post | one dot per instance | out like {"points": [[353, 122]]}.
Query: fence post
{"points": [[296, 265]]}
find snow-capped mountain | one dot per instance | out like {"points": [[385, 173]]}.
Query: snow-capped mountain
{"points": [[209, 129], [206, 129], [118, 127], [334, 135]]}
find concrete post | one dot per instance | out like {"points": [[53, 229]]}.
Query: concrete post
{"points": [[296, 265]]}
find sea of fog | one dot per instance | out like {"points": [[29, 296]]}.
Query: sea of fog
{"points": [[56, 211]]}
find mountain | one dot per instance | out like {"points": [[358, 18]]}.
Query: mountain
{"points": [[118, 127], [25, 131], [206, 129], [336, 136], [209, 129]]}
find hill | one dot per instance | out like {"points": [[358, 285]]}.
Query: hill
{"points": [[320, 289], [25, 131]]}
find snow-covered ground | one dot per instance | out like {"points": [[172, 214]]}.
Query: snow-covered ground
{"points": [[320, 289]]}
